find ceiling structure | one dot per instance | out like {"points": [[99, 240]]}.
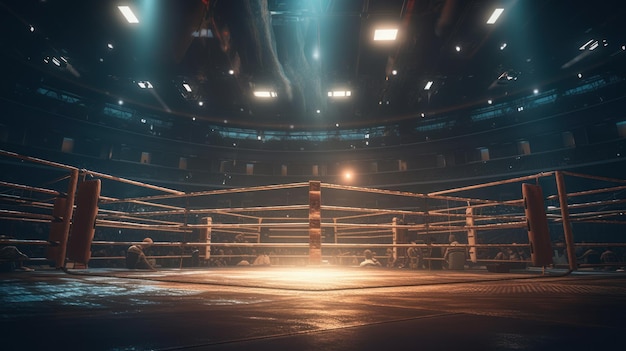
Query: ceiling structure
{"points": [[296, 64]]}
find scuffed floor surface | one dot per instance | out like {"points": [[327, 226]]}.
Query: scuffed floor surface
{"points": [[310, 308]]}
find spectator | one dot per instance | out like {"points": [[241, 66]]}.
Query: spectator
{"points": [[136, 258], [610, 259], [391, 260], [591, 257], [415, 257], [370, 260], [454, 257], [262, 260], [503, 254], [11, 259]]}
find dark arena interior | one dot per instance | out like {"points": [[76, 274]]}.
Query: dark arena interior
{"points": [[312, 175]]}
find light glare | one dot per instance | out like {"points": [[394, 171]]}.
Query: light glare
{"points": [[385, 34], [265, 94], [495, 15], [128, 14]]}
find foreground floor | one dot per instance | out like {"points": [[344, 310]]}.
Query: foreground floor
{"points": [[311, 308]]}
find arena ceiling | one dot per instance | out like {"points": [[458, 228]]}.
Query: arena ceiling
{"points": [[306, 64]]}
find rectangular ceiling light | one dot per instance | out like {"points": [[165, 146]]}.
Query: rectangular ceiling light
{"points": [[265, 94], [128, 14], [144, 84], [428, 85], [340, 93], [385, 34], [187, 87], [494, 16]]}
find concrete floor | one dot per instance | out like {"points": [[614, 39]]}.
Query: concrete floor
{"points": [[311, 308]]}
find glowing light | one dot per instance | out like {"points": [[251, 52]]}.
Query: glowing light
{"points": [[347, 175], [128, 14], [458, 48], [385, 34], [340, 93], [200, 103], [428, 85], [187, 87], [145, 84], [495, 15], [231, 72], [265, 94], [590, 45]]}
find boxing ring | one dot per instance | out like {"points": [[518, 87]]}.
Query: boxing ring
{"points": [[70, 217]]}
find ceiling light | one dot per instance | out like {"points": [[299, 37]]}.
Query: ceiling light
{"points": [[265, 94], [428, 85], [394, 72], [458, 48], [231, 72], [385, 34], [580, 75], [110, 46], [32, 29], [503, 46], [144, 84], [120, 102], [339, 93], [187, 87], [590, 45], [128, 14], [535, 91], [202, 33], [495, 15], [200, 103], [490, 101]]}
